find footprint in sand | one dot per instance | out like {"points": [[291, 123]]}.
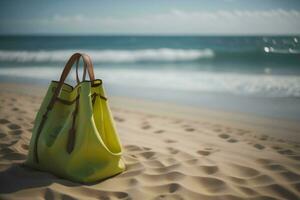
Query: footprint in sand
{"points": [[280, 169], [170, 141], [224, 136], [122, 195], [16, 132], [189, 129], [289, 153], [159, 131], [275, 167], [232, 140], [4, 121], [286, 152], [2, 135], [173, 187], [264, 161], [172, 150], [264, 137], [132, 148], [207, 151], [203, 152], [259, 146], [276, 147], [146, 126], [147, 154], [208, 169], [295, 157], [13, 126], [297, 145], [20, 119], [25, 146]]}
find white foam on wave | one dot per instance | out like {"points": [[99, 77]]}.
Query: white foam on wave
{"points": [[267, 85], [281, 51], [199, 81], [109, 56]]}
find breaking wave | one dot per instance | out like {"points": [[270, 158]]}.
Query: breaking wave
{"points": [[110, 56]]}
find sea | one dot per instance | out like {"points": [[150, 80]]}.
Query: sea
{"points": [[254, 75]]}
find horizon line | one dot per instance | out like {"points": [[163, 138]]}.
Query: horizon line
{"points": [[146, 35]]}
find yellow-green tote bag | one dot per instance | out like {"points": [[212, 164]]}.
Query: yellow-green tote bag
{"points": [[74, 135]]}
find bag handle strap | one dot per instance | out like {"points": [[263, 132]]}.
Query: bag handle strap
{"points": [[88, 65], [84, 71]]}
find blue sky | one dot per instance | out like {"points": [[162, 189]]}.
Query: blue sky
{"points": [[210, 17]]}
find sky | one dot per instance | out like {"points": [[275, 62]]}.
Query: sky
{"points": [[150, 17]]}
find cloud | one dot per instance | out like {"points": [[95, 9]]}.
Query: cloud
{"points": [[178, 21]]}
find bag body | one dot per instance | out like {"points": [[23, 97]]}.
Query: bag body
{"points": [[74, 135]]}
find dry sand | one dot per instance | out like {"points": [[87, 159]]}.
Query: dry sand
{"points": [[171, 152]]}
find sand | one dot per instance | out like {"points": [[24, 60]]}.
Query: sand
{"points": [[171, 152]]}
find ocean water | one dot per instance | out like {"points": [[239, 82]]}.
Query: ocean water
{"points": [[256, 75]]}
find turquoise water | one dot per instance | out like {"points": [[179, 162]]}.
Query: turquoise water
{"points": [[258, 74], [252, 54]]}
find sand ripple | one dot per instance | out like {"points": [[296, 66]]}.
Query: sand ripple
{"points": [[166, 158]]}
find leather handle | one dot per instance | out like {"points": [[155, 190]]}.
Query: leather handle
{"points": [[88, 65], [75, 58], [83, 74]]}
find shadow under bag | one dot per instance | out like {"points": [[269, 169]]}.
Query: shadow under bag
{"points": [[74, 134]]}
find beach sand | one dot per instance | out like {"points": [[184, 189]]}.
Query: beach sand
{"points": [[171, 152]]}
